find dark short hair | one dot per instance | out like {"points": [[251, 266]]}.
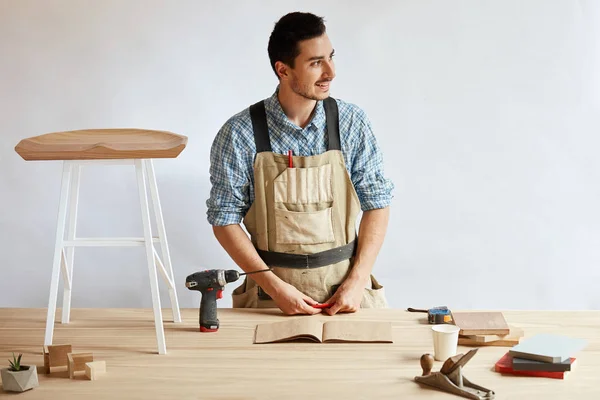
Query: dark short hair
{"points": [[288, 31]]}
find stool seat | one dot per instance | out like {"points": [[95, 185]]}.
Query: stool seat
{"points": [[99, 144]]}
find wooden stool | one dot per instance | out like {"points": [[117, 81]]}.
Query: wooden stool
{"points": [[107, 146]]}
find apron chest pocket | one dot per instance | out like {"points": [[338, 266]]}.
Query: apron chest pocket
{"points": [[309, 227], [303, 206]]}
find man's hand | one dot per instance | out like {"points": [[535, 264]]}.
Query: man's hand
{"points": [[370, 238], [347, 298], [237, 244], [291, 301]]}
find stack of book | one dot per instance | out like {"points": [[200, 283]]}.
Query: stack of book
{"points": [[485, 329], [542, 355]]}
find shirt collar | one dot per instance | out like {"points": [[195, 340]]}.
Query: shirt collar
{"points": [[274, 110]]}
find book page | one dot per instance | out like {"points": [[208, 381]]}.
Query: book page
{"points": [[298, 328], [357, 331]]}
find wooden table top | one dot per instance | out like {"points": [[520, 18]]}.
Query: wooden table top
{"points": [[227, 365], [98, 144]]}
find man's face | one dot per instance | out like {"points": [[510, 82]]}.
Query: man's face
{"points": [[313, 69]]}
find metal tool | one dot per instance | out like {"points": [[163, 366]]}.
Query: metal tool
{"points": [[435, 315], [450, 378], [211, 283]]}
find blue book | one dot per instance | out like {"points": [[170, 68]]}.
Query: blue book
{"points": [[548, 348]]}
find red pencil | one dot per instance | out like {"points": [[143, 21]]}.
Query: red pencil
{"points": [[290, 159]]}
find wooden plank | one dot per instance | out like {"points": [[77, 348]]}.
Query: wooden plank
{"points": [[515, 333], [508, 342], [481, 323]]}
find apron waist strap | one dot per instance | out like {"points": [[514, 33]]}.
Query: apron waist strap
{"points": [[303, 261]]}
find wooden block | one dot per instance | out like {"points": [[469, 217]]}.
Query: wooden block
{"points": [[77, 362], [513, 334], [94, 368], [46, 360], [463, 341], [56, 356], [510, 340], [481, 323]]}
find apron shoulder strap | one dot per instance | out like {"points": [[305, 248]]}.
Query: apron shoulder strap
{"points": [[333, 123], [261, 131], [259, 126]]}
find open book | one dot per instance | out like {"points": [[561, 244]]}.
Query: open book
{"points": [[316, 330]]}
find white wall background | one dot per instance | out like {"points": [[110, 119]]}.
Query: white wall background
{"points": [[487, 111]]}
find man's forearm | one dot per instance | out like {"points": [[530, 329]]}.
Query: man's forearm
{"points": [[372, 230], [239, 247]]}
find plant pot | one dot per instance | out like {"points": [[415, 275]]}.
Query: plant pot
{"points": [[19, 381]]}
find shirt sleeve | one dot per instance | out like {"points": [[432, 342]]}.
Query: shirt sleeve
{"points": [[373, 188], [230, 181]]}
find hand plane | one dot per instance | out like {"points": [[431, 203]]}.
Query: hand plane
{"points": [[451, 379]]}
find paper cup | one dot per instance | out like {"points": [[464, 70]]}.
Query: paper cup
{"points": [[445, 341]]}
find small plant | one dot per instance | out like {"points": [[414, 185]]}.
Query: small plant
{"points": [[15, 365], [18, 377]]}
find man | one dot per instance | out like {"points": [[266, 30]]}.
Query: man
{"points": [[297, 168]]}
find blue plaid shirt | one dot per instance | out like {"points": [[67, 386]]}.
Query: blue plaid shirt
{"points": [[233, 153]]}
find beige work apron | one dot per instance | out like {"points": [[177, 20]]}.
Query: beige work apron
{"points": [[306, 209]]}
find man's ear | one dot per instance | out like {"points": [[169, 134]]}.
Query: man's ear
{"points": [[282, 70]]}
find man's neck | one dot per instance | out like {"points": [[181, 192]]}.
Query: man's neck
{"points": [[298, 109]]}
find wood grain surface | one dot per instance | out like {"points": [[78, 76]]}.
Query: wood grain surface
{"points": [[97, 144], [227, 365]]}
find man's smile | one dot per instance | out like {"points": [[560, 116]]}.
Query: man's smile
{"points": [[323, 85]]}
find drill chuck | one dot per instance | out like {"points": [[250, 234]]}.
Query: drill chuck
{"points": [[231, 276]]}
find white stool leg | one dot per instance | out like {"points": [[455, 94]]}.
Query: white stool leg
{"points": [[158, 323], [162, 234], [70, 259], [58, 251]]}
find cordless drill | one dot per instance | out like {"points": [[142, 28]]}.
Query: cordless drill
{"points": [[210, 283]]}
